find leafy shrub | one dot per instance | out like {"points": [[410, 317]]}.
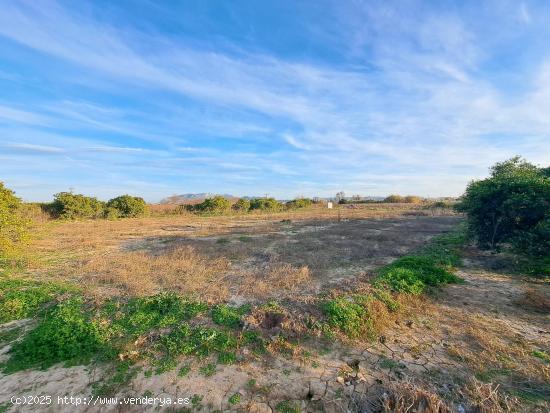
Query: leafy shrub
{"points": [[299, 203], [67, 205], [227, 316], [13, 223], [512, 205], [127, 206], [393, 199], [65, 333], [412, 199], [265, 204], [242, 205], [217, 204]]}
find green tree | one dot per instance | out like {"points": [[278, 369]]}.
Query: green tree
{"points": [[217, 204], [242, 205], [394, 199], [67, 205], [265, 204], [512, 205], [299, 203], [128, 206], [13, 223]]}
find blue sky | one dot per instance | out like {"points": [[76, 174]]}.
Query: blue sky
{"points": [[251, 97]]}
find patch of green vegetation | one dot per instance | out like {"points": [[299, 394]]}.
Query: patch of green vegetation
{"points": [[225, 315], [23, 299], [143, 314], [538, 267], [227, 357], [235, 399], [386, 297], [4, 407], [251, 383], [414, 274], [245, 238], [208, 370], [165, 364], [199, 341], [287, 407], [346, 315], [196, 400], [222, 241], [253, 340], [65, 333], [184, 370], [490, 375], [543, 355], [445, 249]]}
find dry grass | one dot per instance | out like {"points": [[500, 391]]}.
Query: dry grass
{"points": [[486, 398], [497, 355], [275, 279], [535, 299], [402, 397], [179, 269]]}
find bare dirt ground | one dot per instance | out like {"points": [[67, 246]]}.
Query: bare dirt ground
{"points": [[468, 342]]}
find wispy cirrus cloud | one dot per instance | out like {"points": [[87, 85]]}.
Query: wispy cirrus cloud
{"points": [[416, 91]]}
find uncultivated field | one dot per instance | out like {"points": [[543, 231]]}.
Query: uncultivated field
{"points": [[481, 345]]}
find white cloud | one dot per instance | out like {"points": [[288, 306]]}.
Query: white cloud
{"points": [[417, 103]]}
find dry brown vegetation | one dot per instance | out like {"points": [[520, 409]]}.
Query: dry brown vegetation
{"points": [[242, 257]]}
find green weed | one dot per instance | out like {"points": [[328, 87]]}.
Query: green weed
{"points": [[543, 355], [414, 274], [235, 399], [225, 315], [208, 370], [23, 299], [287, 407], [346, 315], [65, 333], [184, 370], [141, 315]]}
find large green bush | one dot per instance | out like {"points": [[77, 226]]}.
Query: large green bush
{"points": [[265, 204], [67, 205], [299, 203], [127, 206], [242, 205], [217, 205], [511, 206], [13, 223]]}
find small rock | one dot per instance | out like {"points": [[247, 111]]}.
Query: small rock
{"points": [[340, 380]]}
